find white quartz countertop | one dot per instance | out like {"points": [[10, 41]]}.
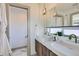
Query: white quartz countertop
{"points": [[57, 48]]}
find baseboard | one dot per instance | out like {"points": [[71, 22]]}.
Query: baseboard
{"points": [[18, 48], [34, 55]]}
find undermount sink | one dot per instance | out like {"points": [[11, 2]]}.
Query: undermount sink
{"points": [[62, 46], [73, 41], [65, 42], [65, 47], [70, 46]]}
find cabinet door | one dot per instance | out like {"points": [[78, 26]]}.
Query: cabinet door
{"points": [[45, 51], [41, 50], [38, 48]]}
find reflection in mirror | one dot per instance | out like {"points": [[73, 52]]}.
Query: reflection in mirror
{"points": [[69, 32], [57, 18], [53, 31], [75, 19], [58, 21], [68, 12], [66, 31]]}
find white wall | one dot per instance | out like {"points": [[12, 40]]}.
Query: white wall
{"points": [[35, 19]]}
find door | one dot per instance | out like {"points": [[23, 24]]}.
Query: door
{"points": [[17, 27]]}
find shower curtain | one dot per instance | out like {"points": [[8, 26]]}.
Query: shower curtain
{"points": [[5, 49]]}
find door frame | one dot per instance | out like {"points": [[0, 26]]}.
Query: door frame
{"points": [[28, 23]]}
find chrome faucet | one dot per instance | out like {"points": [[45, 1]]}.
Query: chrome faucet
{"points": [[73, 36]]}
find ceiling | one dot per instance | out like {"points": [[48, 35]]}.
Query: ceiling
{"points": [[61, 6]]}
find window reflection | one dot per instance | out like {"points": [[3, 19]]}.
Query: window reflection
{"points": [[75, 19], [64, 30], [69, 32]]}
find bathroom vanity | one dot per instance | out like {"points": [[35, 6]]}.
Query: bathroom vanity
{"points": [[46, 47], [42, 50]]}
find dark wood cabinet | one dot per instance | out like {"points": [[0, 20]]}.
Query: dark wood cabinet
{"points": [[45, 51], [38, 48], [41, 50], [52, 53]]}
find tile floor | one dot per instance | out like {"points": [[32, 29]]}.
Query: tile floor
{"points": [[19, 52]]}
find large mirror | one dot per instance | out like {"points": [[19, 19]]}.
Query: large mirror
{"points": [[68, 15]]}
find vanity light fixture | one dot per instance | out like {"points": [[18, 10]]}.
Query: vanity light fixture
{"points": [[44, 10]]}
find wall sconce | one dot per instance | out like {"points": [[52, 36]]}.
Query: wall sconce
{"points": [[44, 10]]}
